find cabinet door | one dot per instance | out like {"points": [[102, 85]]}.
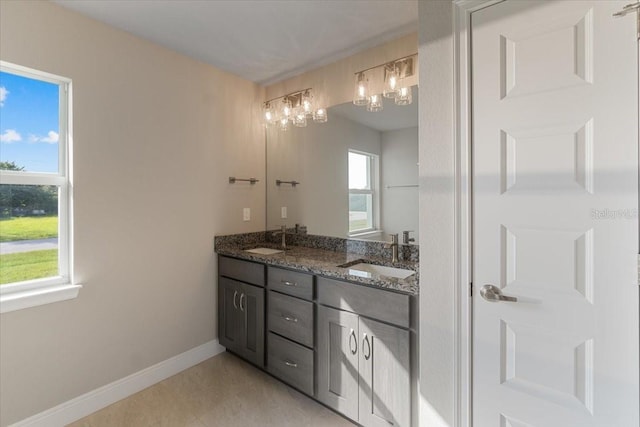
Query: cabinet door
{"points": [[229, 315], [252, 311], [337, 380], [385, 390]]}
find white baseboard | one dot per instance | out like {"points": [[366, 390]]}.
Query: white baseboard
{"points": [[104, 396]]}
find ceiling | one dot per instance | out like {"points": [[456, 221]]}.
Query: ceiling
{"points": [[264, 41]]}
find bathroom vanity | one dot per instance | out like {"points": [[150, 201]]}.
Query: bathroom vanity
{"points": [[343, 336]]}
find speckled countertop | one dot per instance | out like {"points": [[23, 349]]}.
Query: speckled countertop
{"points": [[325, 263]]}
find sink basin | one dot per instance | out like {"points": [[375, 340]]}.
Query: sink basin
{"points": [[364, 269], [264, 251]]}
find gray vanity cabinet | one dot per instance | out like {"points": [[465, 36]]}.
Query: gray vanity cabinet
{"points": [[357, 361], [241, 309], [363, 365]]}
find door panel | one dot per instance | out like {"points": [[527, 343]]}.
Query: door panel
{"points": [[385, 392], [252, 308], [229, 318], [337, 372], [555, 190]]}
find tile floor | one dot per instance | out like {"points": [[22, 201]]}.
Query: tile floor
{"points": [[222, 391]]}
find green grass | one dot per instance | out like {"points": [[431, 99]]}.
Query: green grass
{"points": [[28, 265], [28, 228]]}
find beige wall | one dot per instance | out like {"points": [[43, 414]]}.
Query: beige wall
{"points": [[156, 137]]}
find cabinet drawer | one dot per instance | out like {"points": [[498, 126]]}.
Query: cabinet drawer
{"points": [[291, 282], [246, 271], [291, 362], [291, 317], [387, 306]]}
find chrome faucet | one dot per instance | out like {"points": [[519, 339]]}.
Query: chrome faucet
{"points": [[394, 247], [282, 231], [405, 237]]}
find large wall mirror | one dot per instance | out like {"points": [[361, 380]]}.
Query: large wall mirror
{"points": [[357, 173]]}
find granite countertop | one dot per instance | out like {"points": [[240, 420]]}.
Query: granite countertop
{"points": [[325, 263]]}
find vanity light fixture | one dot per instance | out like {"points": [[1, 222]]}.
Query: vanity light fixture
{"points": [[295, 107], [369, 92]]}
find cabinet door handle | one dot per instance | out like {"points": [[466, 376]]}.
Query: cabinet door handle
{"points": [[366, 340], [235, 295], [291, 364], [289, 318], [287, 283], [352, 338], [241, 297]]}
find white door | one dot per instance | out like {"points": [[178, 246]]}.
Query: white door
{"points": [[555, 190]]}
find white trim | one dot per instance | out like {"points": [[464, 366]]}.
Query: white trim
{"points": [[104, 396], [25, 298], [463, 318]]}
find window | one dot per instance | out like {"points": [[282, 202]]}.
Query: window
{"points": [[363, 195], [34, 186]]}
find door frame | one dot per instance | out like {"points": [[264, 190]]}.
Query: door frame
{"points": [[463, 307]]}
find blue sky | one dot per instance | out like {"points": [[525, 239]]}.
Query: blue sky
{"points": [[29, 123]]}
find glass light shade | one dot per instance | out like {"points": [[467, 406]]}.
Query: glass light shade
{"points": [[307, 103], [300, 118], [286, 110], [269, 114], [390, 81], [320, 115], [375, 103], [361, 92], [283, 124], [403, 97]]}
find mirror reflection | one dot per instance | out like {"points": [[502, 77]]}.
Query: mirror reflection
{"points": [[357, 175]]}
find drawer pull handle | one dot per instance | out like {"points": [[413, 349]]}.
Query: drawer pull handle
{"points": [[288, 283], [235, 295], [289, 318], [241, 297], [352, 338], [366, 340], [290, 364]]}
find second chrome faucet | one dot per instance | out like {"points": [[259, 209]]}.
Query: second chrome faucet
{"points": [[394, 247], [282, 231]]}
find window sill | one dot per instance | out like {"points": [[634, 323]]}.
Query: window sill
{"points": [[366, 233], [34, 297]]}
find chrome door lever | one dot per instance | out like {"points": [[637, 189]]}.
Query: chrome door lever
{"points": [[492, 293]]}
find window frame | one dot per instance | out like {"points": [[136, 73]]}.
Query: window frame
{"points": [[373, 177], [29, 293]]}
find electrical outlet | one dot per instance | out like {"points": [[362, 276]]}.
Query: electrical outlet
{"points": [[246, 214], [283, 212]]}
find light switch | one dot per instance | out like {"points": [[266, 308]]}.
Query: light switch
{"points": [[283, 212], [246, 214]]}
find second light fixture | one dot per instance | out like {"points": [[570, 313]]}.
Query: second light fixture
{"points": [[394, 86]]}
